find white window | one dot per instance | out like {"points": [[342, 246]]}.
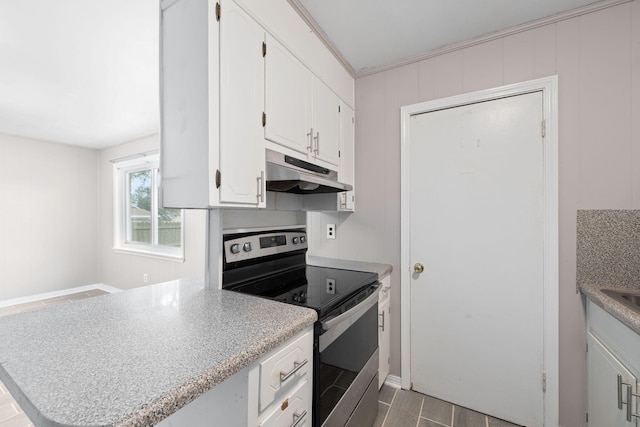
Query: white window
{"points": [[141, 225]]}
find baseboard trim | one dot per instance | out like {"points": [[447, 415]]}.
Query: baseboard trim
{"points": [[62, 292], [393, 381]]}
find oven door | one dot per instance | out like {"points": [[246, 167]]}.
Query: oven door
{"points": [[347, 358]]}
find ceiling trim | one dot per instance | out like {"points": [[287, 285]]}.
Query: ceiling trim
{"points": [[298, 7], [584, 10]]}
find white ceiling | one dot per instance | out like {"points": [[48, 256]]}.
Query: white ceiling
{"points": [[85, 72], [371, 33], [80, 72]]}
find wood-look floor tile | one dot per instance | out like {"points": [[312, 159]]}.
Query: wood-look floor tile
{"points": [[437, 410], [386, 394], [405, 410], [382, 414], [8, 410], [428, 423], [463, 417], [494, 422], [20, 420]]}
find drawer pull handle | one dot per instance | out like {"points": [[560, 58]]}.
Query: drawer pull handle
{"points": [[629, 413], [381, 325], [296, 367], [297, 418], [630, 396], [620, 392]]}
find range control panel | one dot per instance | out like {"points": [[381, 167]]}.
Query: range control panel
{"points": [[264, 244]]}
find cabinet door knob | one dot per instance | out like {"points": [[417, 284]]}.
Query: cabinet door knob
{"points": [[418, 268]]}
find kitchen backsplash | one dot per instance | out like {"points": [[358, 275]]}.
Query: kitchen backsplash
{"points": [[608, 247]]}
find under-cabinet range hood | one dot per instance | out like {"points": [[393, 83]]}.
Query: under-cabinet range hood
{"points": [[290, 175]]}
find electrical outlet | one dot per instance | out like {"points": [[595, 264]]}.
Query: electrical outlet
{"points": [[331, 231], [145, 277], [331, 286]]}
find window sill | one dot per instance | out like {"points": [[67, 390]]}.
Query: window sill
{"points": [[141, 251]]}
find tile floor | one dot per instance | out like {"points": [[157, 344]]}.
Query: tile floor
{"points": [[402, 408], [396, 408], [11, 415]]}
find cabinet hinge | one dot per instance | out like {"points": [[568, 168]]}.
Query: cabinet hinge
{"points": [[218, 12], [264, 49], [264, 119], [544, 382], [543, 128], [218, 178]]}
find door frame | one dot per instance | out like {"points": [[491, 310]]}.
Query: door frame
{"points": [[549, 88]]}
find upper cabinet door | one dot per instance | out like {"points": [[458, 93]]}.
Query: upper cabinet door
{"points": [[288, 99], [346, 199], [242, 151], [326, 123]]}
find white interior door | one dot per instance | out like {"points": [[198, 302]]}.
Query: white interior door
{"points": [[477, 225]]}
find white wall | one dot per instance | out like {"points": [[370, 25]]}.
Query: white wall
{"points": [[597, 60], [126, 271], [48, 217]]}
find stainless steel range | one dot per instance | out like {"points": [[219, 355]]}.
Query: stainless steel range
{"points": [[272, 264]]}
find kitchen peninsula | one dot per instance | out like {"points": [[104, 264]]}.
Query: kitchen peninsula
{"points": [[136, 357]]}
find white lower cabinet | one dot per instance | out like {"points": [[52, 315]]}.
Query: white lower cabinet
{"points": [[294, 409], [384, 331], [612, 360], [274, 391]]}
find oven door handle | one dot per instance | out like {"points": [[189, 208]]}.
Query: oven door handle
{"points": [[335, 327], [350, 316]]}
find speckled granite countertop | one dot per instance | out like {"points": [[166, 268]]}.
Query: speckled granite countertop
{"points": [[618, 310], [135, 357], [383, 270]]}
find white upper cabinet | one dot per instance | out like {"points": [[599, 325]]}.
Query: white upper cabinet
{"points": [[326, 123], [231, 87], [288, 99], [346, 199], [302, 113], [242, 154], [212, 92]]}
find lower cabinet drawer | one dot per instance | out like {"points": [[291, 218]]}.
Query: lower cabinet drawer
{"points": [[294, 410], [284, 369]]}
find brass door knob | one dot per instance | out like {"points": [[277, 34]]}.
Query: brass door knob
{"points": [[418, 268]]}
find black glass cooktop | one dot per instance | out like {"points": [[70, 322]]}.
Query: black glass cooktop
{"points": [[319, 288]]}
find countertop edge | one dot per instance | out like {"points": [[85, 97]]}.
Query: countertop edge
{"points": [[164, 403], [156, 411], [624, 314]]}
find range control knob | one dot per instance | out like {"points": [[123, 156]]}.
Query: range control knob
{"points": [[295, 240], [247, 247], [235, 248], [303, 239]]}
